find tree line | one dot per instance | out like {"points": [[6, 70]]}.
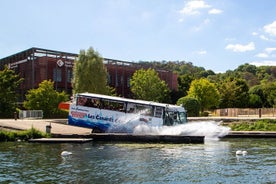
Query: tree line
{"points": [[198, 89], [248, 86]]}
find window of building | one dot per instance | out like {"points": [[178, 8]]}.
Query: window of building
{"points": [[57, 75], [69, 75]]}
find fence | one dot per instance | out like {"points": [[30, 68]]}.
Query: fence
{"points": [[36, 114], [246, 112]]}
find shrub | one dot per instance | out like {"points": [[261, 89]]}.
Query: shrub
{"points": [[21, 135], [260, 125], [191, 105]]}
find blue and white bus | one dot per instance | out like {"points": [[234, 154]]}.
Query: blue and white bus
{"points": [[105, 113]]}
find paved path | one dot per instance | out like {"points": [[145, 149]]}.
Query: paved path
{"points": [[58, 126]]}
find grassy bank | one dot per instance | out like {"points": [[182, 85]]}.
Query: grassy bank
{"points": [[260, 125], [21, 135]]}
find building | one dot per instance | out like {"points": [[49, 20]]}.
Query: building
{"points": [[37, 64]]}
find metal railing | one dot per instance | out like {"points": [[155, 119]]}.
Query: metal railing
{"points": [[245, 112], [35, 114]]}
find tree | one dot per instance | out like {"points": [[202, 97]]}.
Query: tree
{"points": [[90, 74], [9, 83], [255, 101], [45, 98], [234, 93], [269, 90], [191, 105], [205, 92], [247, 68], [257, 97], [184, 82], [146, 85]]}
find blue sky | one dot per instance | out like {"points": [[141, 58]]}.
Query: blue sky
{"points": [[219, 35]]}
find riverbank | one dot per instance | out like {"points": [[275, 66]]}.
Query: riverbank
{"points": [[59, 127]]}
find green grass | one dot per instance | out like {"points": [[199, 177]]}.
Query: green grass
{"points": [[260, 125], [21, 135]]}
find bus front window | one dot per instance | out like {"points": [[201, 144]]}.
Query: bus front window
{"points": [[182, 117]]}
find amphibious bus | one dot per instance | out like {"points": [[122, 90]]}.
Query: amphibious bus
{"points": [[104, 113]]}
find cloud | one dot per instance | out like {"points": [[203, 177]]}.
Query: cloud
{"points": [[263, 37], [262, 55], [240, 48], [264, 63], [254, 33], [270, 49], [193, 7], [268, 52], [201, 52], [270, 28], [215, 11]]}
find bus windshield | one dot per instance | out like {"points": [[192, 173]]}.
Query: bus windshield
{"points": [[182, 117]]}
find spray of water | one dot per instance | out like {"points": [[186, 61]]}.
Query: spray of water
{"points": [[132, 123], [126, 124], [209, 129]]}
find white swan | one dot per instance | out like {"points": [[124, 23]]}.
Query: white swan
{"points": [[240, 152], [65, 153]]}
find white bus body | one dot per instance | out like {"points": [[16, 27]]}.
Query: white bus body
{"points": [[105, 113]]}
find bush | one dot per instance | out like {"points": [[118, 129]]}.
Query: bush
{"points": [[21, 135], [260, 125], [191, 105]]}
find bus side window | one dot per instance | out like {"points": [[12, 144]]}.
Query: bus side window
{"points": [[81, 100], [130, 107], [158, 112], [88, 103], [168, 120]]}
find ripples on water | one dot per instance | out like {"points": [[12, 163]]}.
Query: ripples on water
{"points": [[212, 162]]}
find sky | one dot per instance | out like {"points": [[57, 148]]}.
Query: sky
{"points": [[218, 35]]}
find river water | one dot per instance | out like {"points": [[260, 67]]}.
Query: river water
{"points": [[211, 162]]}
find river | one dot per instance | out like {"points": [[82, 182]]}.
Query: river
{"points": [[211, 162]]}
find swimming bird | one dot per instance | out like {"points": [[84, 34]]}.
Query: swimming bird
{"points": [[239, 152], [66, 153]]}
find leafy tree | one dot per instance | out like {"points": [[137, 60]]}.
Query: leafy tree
{"points": [[255, 101], [9, 83], [247, 68], [90, 74], [269, 90], [174, 95], [146, 85], [184, 82], [45, 98], [205, 92], [234, 93], [256, 93], [191, 105]]}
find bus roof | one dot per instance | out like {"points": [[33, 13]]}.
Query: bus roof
{"points": [[144, 102]]}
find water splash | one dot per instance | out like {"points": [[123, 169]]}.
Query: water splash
{"points": [[127, 123], [132, 123], [209, 129]]}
